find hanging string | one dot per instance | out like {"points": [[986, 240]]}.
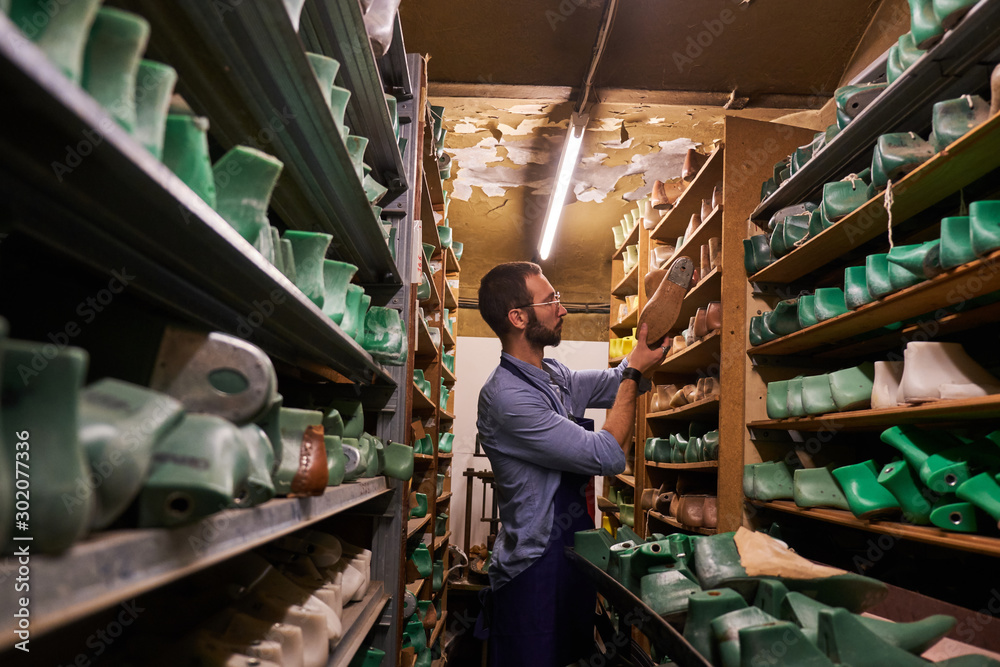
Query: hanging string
{"points": [[963, 208], [887, 203]]}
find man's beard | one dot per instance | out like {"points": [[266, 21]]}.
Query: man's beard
{"points": [[537, 334]]}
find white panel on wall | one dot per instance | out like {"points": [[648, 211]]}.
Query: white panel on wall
{"points": [[475, 360]]}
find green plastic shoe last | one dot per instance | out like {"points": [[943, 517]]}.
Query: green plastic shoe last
{"points": [[63, 33], [678, 447], [817, 397], [726, 630], [422, 559], [336, 461], [309, 251], [841, 198], [440, 525], [440, 485], [796, 230], [806, 311], [893, 66], [374, 190], [419, 510], [292, 425], [667, 592], [626, 512], [908, 263], [367, 657], [925, 26], [370, 447], [717, 564], [444, 233], [777, 240], [777, 399], [794, 398], [261, 453], [702, 608], [185, 152], [768, 188], [357, 463], [111, 62], [816, 487], [956, 241], [866, 497], [424, 291], [852, 387], [908, 51], [784, 319], [757, 646], [424, 446], [856, 292], [339, 97], [351, 414], [336, 278], [770, 596], [458, 247], [800, 156], [445, 442], [919, 446], [896, 155], [950, 12], [660, 450], [437, 577], [287, 267], [357, 307], [594, 545], [693, 453], [956, 517], [903, 482], [852, 100], [154, 86], [983, 492], [829, 302], [43, 406], [755, 335], [414, 634], [817, 223], [984, 221], [772, 480], [201, 467], [120, 424], [953, 119], [877, 275], [710, 446], [766, 332], [384, 336], [356, 147], [398, 461], [757, 253], [244, 180], [336, 98]]}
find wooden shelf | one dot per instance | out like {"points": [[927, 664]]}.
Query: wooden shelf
{"points": [[629, 284], [447, 337], [434, 300], [627, 479], [438, 627], [671, 521], [447, 416], [712, 226], [428, 228], [624, 327], [706, 406], [444, 497], [440, 540], [961, 410], [980, 544], [700, 465], [709, 289], [450, 300], [448, 376], [420, 401], [426, 351], [604, 505], [423, 458], [118, 565], [451, 264], [414, 526], [444, 455], [358, 620], [701, 355], [927, 297], [971, 157], [415, 587], [633, 238], [689, 203]]}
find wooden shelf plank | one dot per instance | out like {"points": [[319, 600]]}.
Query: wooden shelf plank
{"points": [[633, 238], [450, 300], [414, 526], [627, 479], [415, 587], [969, 158], [706, 406], [118, 565], [980, 544], [700, 465], [625, 326], [451, 264], [447, 416], [701, 355], [438, 628], [420, 401], [447, 336], [981, 407], [709, 289], [448, 376], [426, 350], [444, 497], [629, 284], [358, 619], [968, 281], [677, 218], [671, 521], [441, 539]]}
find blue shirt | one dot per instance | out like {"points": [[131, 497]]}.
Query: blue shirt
{"points": [[530, 444]]}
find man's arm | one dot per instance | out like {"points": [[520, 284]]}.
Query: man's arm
{"points": [[620, 422]]}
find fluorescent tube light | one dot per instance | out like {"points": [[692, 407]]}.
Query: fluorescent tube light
{"points": [[564, 174]]}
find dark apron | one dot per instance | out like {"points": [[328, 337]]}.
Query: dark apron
{"points": [[544, 617]]}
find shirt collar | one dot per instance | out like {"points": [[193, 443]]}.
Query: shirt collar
{"points": [[529, 369]]}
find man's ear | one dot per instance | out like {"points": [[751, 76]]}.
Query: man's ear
{"points": [[517, 319]]}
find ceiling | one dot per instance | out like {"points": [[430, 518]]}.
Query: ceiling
{"points": [[758, 47]]}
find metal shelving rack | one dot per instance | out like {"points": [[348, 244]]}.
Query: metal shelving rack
{"points": [[120, 206]]}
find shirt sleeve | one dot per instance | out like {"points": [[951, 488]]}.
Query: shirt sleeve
{"points": [[531, 431], [596, 388]]}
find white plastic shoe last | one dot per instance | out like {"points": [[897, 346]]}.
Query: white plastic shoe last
{"points": [[243, 629], [933, 371], [887, 377]]}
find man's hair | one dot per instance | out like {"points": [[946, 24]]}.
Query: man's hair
{"points": [[502, 289]]}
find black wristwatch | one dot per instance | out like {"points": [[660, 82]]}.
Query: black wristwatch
{"points": [[642, 383]]}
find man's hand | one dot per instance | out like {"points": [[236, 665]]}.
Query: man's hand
{"points": [[642, 358]]}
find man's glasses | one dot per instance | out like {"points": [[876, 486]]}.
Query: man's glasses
{"points": [[555, 301]]}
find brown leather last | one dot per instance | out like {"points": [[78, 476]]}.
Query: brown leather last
{"points": [[311, 477]]}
